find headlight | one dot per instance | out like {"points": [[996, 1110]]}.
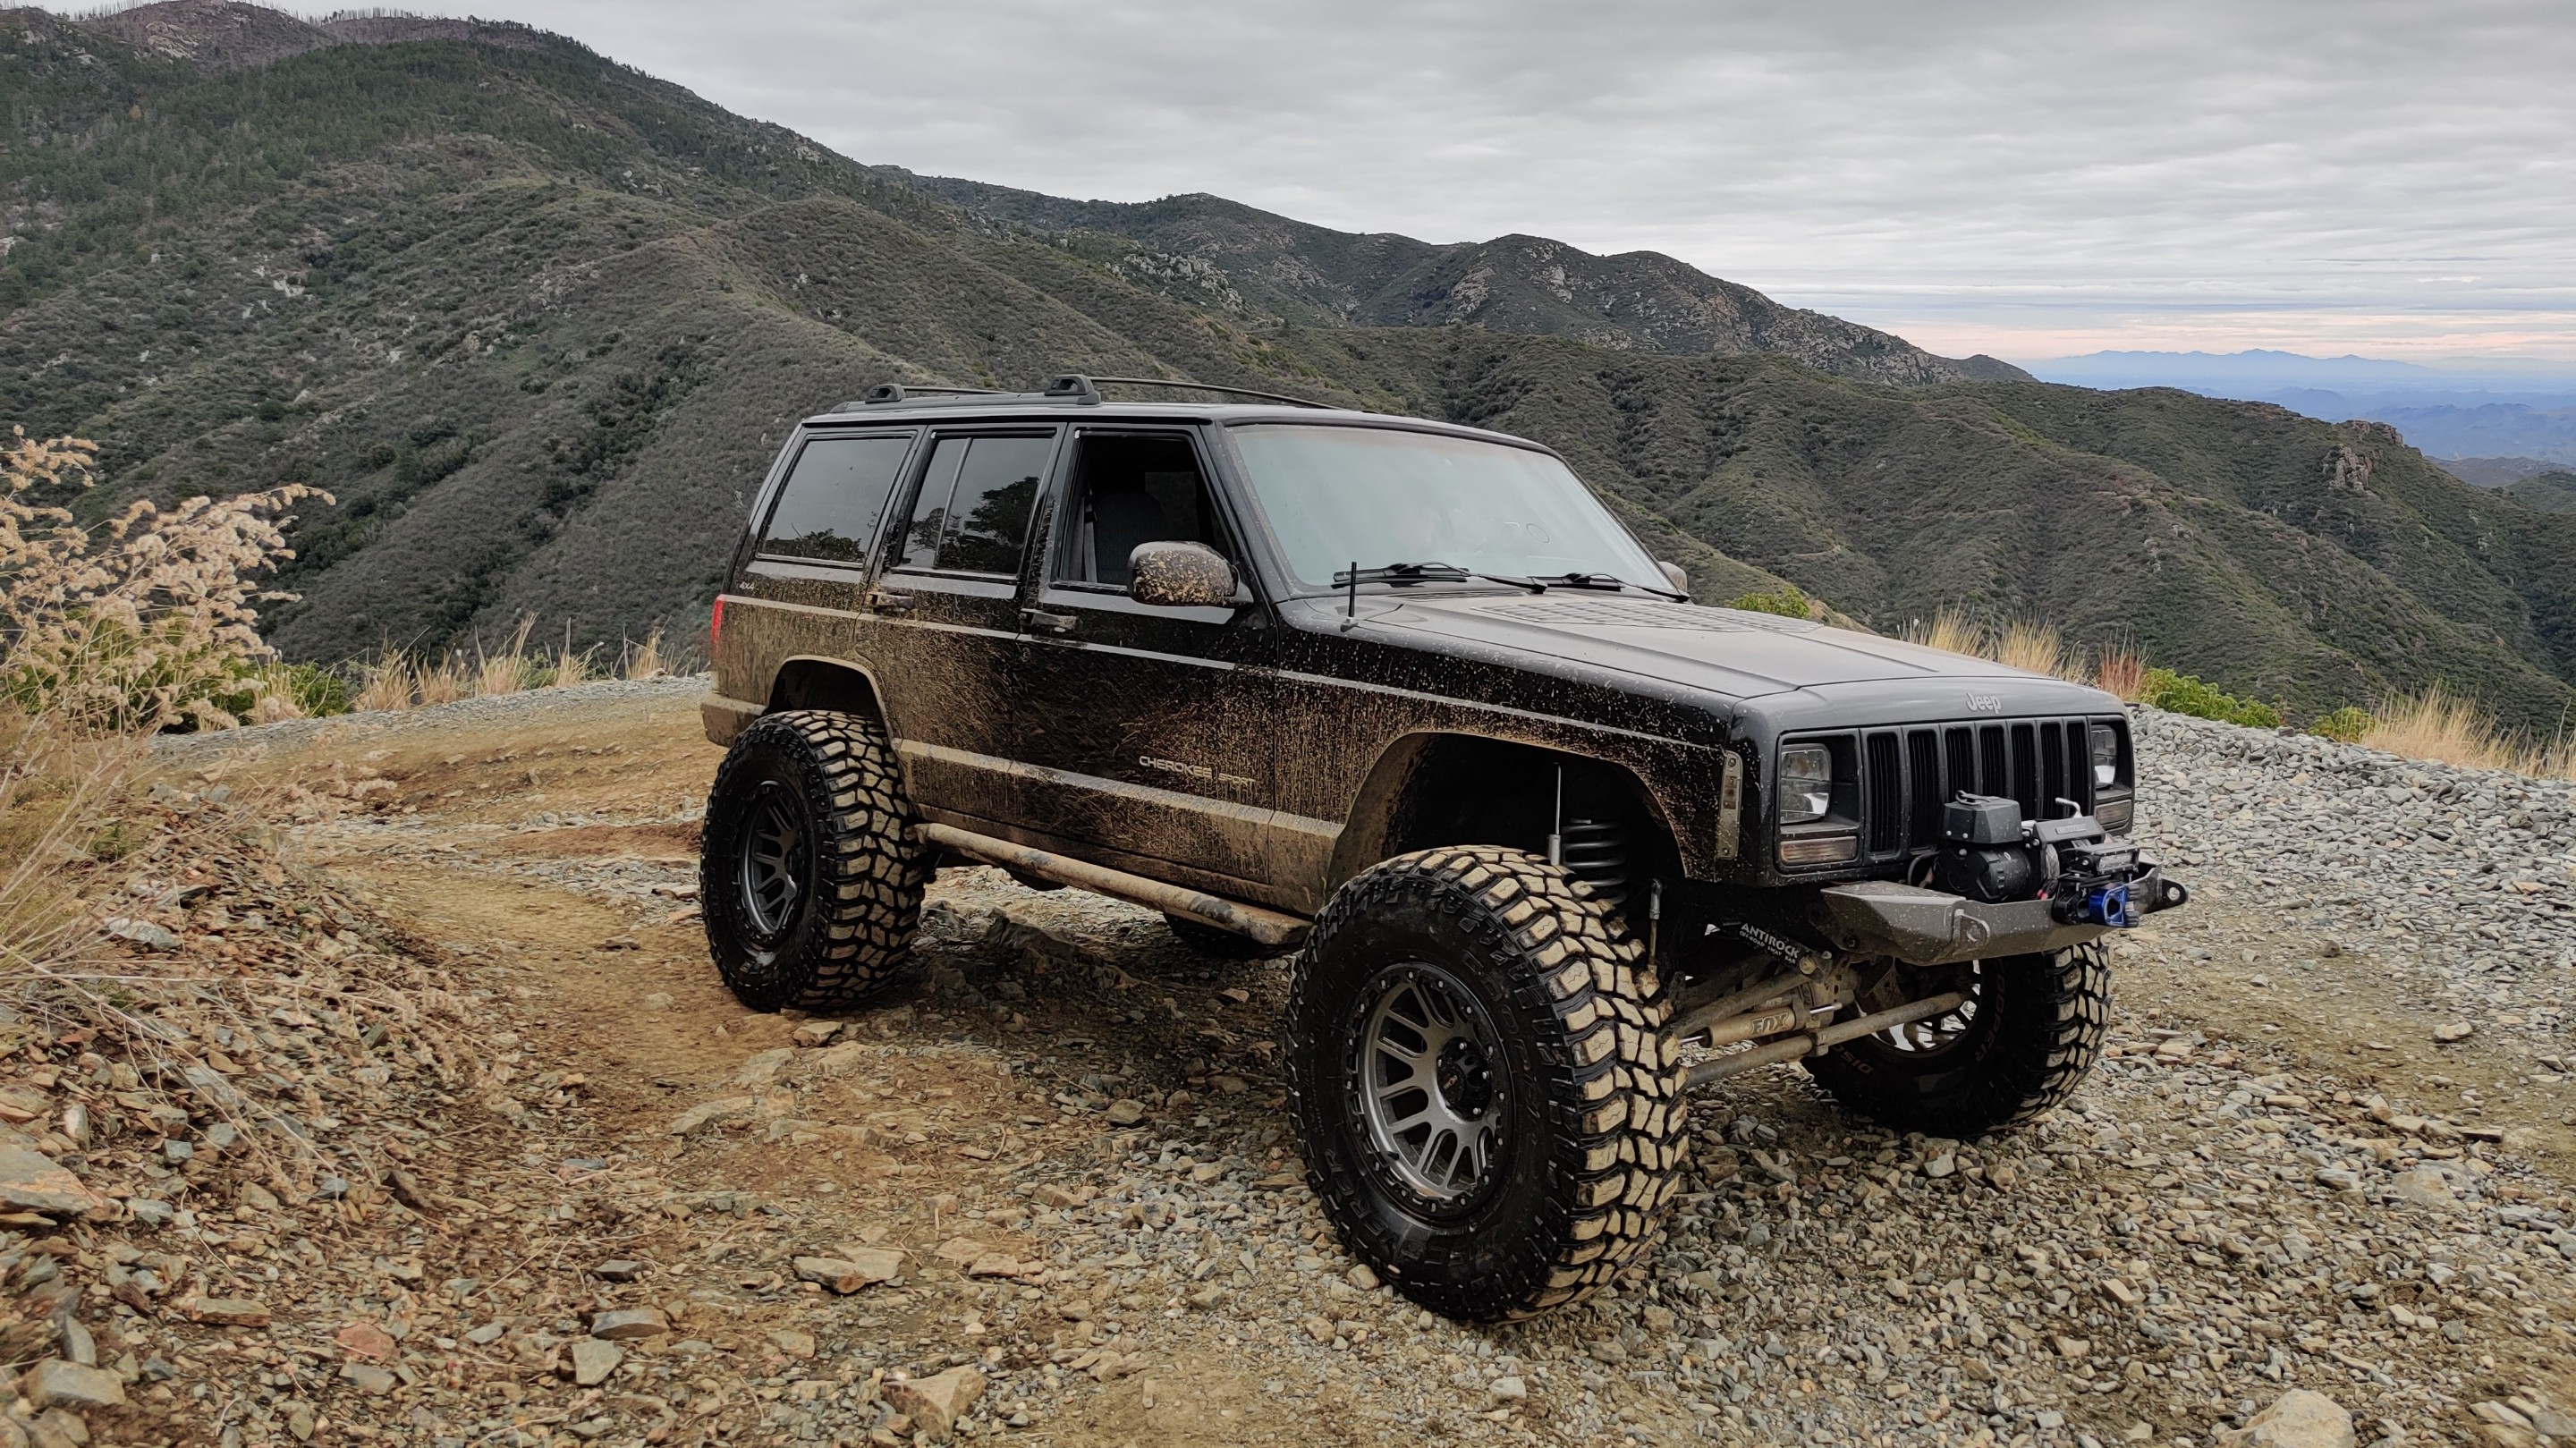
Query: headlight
{"points": [[1806, 783], [2106, 756]]}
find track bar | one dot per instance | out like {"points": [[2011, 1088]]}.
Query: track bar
{"points": [[1814, 1042], [1269, 927]]}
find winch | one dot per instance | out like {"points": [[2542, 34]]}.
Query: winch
{"points": [[1991, 854]]}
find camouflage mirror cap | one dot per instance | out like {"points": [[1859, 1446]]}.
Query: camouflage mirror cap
{"points": [[1179, 575]]}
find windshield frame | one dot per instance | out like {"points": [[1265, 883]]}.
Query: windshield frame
{"points": [[1275, 559]]}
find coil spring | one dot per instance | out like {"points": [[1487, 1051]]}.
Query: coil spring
{"points": [[1596, 851]]}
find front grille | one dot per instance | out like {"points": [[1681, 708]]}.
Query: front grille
{"points": [[1911, 773]]}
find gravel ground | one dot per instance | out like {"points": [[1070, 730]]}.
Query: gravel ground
{"points": [[1055, 1165], [492, 710], [1071, 1126]]}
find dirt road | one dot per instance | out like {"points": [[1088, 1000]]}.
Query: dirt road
{"points": [[1068, 1126]]}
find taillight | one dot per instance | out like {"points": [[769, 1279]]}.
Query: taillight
{"points": [[715, 625]]}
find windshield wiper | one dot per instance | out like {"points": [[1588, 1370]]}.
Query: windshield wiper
{"points": [[1610, 583], [1401, 574]]}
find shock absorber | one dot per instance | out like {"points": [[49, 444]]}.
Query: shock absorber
{"points": [[1596, 851]]}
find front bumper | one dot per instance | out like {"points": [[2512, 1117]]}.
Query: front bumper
{"points": [[1928, 927]]}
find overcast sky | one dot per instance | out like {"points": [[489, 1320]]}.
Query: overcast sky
{"points": [[2390, 177]]}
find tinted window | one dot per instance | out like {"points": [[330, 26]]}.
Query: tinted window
{"points": [[1130, 489], [973, 513], [833, 495]]}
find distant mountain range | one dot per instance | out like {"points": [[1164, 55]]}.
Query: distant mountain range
{"points": [[2497, 410], [1212, 252], [540, 321]]}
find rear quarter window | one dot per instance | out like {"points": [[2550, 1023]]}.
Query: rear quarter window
{"points": [[834, 496]]}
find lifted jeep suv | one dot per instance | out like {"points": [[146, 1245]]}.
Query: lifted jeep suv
{"points": [[1552, 843]]}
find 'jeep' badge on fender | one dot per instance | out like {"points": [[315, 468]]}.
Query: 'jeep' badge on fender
{"points": [[1985, 703]]}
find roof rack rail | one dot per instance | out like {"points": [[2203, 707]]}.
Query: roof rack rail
{"points": [[1192, 387], [897, 391]]}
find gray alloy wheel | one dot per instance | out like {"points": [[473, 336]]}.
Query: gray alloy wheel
{"points": [[774, 861], [1429, 1084]]}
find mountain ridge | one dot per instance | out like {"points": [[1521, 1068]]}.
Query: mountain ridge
{"points": [[540, 321], [1209, 249]]}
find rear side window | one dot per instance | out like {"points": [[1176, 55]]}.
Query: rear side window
{"points": [[976, 496], [834, 495]]}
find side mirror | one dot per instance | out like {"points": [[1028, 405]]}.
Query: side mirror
{"points": [[1179, 575], [1673, 575]]}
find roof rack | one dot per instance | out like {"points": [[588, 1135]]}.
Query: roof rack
{"points": [[1194, 387], [1073, 387], [885, 392]]}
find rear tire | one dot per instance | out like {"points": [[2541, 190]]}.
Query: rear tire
{"points": [[2018, 1050], [1477, 1064], [809, 872]]}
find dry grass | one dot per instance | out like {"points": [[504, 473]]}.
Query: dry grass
{"points": [[2023, 644], [645, 660], [2121, 672], [2033, 646], [399, 680], [54, 783], [2447, 728], [1950, 631], [505, 670]]}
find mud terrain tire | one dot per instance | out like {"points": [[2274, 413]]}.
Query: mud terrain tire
{"points": [[2037, 1031], [809, 873], [1218, 944], [1584, 1120]]}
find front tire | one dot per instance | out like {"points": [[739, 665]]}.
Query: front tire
{"points": [[2019, 1047], [1477, 1065], [809, 873]]}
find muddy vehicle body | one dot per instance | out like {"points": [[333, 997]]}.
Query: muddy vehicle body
{"points": [[1550, 842]]}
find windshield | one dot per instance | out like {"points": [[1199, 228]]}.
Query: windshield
{"points": [[1335, 496]]}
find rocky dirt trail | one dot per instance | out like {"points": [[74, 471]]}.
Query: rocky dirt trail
{"points": [[1046, 1192]]}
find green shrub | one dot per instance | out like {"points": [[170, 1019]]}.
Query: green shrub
{"points": [[1789, 602], [317, 690], [2344, 726], [2183, 694]]}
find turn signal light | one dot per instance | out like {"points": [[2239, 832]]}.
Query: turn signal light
{"points": [[1820, 850]]}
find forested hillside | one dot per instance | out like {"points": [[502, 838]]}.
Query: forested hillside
{"points": [[539, 321]]}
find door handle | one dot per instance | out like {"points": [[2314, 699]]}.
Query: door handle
{"points": [[884, 602], [1041, 621]]}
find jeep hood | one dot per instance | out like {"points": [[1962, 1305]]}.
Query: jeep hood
{"points": [[1720, 650]]}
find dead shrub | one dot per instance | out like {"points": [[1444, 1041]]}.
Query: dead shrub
{"points": [[149, 622]]}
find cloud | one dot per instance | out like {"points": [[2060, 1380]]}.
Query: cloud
{"points": [[2363, 175]]}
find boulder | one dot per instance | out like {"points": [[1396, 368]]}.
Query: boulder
{"points": [[2296, 1419], [56, 1382], [2423, 1186], [627, 1323], [936, 1403], [593, 1361], [31, 1181], [863, 1267]]}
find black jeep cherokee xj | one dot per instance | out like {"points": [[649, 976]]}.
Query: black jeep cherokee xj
{"points": [[1551, 842]]}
